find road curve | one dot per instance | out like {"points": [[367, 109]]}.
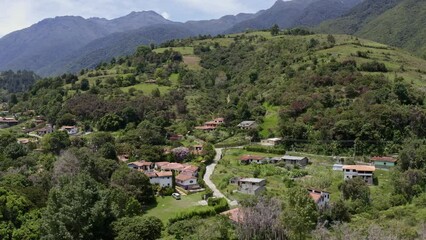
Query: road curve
{"points": [[209, 171]]}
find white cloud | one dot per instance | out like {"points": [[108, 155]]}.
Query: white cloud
{"points": [[165, 15]]}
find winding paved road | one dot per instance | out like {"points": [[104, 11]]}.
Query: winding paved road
{"points": [[209, 171]]}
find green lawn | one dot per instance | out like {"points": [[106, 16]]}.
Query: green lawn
{"points": [[146, 88], [183, 50], [270, 122], [168, 207]]}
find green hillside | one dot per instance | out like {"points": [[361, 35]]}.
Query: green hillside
{"points": [[324, 95], [393, 22]]}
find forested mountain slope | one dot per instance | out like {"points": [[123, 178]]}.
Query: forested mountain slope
{"points": [[394, 22], [334, 95]]}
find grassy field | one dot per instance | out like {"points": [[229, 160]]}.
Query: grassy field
{"points": [[183, 50], [270, 122], [168, 207], [147, 88], [319, 175]]}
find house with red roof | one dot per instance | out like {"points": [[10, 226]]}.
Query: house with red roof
{"points": [[247, 159], [321, 198], [187, 181], [142, 166], [211, 125]]}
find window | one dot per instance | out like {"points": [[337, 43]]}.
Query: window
{"points": [[191, 181]]}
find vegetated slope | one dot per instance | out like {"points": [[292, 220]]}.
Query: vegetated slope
{"points": [[114, 45], [295, 13], [358, 16], [402, 26], [395, 22], [217, 26], [17, 82], [52, 39]]}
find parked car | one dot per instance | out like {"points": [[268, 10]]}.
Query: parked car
{"points": [[176, 196]]}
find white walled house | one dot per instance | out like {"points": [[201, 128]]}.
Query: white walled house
{"points": [[363, 171], [164, 179], [186, 181], [321, 198], [270, 141], [252, 186], [71, 130]]}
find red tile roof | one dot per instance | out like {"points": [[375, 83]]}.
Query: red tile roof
{"points": [[251, 157], [164, 174], [363, 168], [184, 177], [315, 196], [383, 159]]}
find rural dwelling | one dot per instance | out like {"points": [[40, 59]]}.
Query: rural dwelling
{"points": [[123, 158], [142, 166], [247, 159], [252, 186], [175, 137], [46, 130], [337, 167], [363, 171], [293, 160], [235, 215], [187, 182], [321, 198], [197, 149], [274, 159], [8, 121], [177, 167], [211, 125], [71, 130], [246, 125], [164, 179], [270, 141], [383, 162]]}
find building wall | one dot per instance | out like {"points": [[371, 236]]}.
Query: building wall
{"points": [[162, 181], [381, 164]]}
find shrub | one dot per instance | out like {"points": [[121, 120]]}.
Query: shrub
{"points": [[201, 212], [264, 149], [373, 67]]}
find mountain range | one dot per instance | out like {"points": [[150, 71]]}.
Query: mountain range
{"points": [[68, 44], [399, 23]]}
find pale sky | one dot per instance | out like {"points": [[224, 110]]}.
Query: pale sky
{"points": [[19, 14]]}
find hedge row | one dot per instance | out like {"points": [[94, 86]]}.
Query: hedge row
{"points": [[201, 212], [219, 204], [264, 149]]}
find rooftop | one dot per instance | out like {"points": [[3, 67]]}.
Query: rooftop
{"points": [[364, 168], [383, 159], [250, 157], [184, 177], [253, 180], [288, 157], [233, 214]]}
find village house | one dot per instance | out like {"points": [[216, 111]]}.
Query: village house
{"points": [[294, 160], [363, 171], [337, 167], [246, 125], [274, 160], [123, 158], [197, 150], [252, 186], [247, 159], [211, 125], [383, 162], [187, 181], [71, 130], [175, 137], [270, 141], [142, 166], [46, 130], [8, 121], [177, 167], [321, 198], [164, 179]]}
